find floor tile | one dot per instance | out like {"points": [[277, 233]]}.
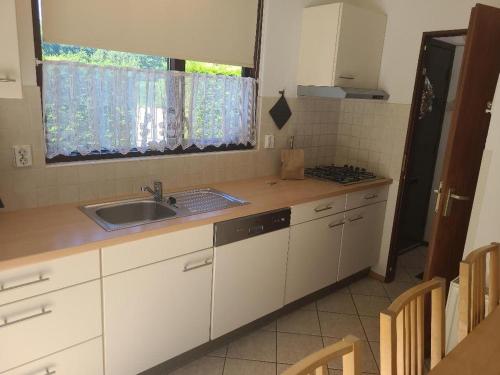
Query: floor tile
{"points": [[244, 367], [340, 325], [368, 363], [372, 327], [270, 327], [219, 352], [300, 321], [395, 289], [202, 366], [368, 287], [375, 345], [402, 275], [280, 368], [412, 274], [311, 306], [413, 259], [293, 347], [259, 345], [370, 305], [338, 303]]}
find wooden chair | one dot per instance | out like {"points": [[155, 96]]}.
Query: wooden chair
{"points": [[316, 363], [402, 330], [472, 296]]}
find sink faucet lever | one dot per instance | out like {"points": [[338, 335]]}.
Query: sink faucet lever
{"points": [[157, 190]]}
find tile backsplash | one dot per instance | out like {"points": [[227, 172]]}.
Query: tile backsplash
{"points": [[366, 133]]}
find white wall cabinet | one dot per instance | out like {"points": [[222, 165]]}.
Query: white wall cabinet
{"points": [[156, 312], [313, 256], [341, 45], [249, 280], [361, 239], [10, 70]]}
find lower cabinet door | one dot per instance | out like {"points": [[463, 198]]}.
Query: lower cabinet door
{"points": [[156, 312], [39, 326], [83, 359], [249, 280], [362, 237], [313, 256]]}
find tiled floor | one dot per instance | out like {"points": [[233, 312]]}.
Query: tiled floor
{"points": [[352, 310]]}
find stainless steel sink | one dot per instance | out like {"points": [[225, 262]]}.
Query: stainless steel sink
{"points": [[128, 213]]}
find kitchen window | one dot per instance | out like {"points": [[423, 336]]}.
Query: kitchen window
{"points": [[101, 104]]}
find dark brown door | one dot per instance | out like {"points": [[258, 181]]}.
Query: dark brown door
{"points": [[438, 64], [467, 137]]}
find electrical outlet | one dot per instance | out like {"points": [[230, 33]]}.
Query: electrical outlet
{"points": [[22, 156], [269, 141]]}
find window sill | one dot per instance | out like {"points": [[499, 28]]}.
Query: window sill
{"points": [[146, 158]]}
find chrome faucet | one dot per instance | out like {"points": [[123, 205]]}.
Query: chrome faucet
{"points": [[157, 190]]}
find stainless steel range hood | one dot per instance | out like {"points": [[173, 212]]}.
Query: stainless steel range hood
{"points": [[342, 92]]}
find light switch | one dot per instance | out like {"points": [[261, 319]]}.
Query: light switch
{"points": [[269, 141]]}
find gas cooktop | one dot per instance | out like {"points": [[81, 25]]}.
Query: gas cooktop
{"points": [[345, 175]]}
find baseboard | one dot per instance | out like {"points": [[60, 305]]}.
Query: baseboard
{"points": [[376, 276], [189, 356]]}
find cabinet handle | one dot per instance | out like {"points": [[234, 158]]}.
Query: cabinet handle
{"points": [[347, 77], [333, 225], [372, 196], [193, 266], [7, 80], [40, 279], [356, 218], [48, 371], [7, 322], [319, 209]]}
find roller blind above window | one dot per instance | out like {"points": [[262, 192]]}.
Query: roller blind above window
{"points": [[217, 31]]}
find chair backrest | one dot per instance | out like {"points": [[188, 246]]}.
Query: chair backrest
{"points": [[317, 362], [402, 330], [471, 304]]}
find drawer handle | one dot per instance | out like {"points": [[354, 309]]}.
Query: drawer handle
{"points": [[347, 77], [372, 196], [40, 279], [356, 219], [7, 322], [334, 225], [48, 372], [320, 209], [193, 266]]}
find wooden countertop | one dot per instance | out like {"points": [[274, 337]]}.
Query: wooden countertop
{"points": [[477, 354], [39, 234]]}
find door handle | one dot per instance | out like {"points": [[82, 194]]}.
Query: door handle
{"points": [[451, 195]]}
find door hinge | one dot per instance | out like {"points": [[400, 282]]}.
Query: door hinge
{"points": [[424, 71], [489, 106]]}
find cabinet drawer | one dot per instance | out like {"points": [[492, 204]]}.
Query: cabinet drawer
{"points": [[317, 209], [28, 281], [155, 249], [39, 326], [366, 197], [83, 359]]}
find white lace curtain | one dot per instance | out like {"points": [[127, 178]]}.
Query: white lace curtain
{"points": [[92, 108]]}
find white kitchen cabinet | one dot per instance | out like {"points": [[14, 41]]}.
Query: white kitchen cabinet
{"points": [[83, 359], [249, 280], [341, 45], [10, 71], [361, 239], [35, 327], [313, 256], [155, 312]]}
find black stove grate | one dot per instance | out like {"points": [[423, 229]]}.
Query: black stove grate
{"points": [[347, 174]]}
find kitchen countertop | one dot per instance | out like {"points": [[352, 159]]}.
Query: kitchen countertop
{"points": [[39, 234]]}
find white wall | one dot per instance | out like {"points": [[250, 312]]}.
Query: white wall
{"points": [[485, 218]]}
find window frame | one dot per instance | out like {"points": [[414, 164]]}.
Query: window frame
{"points": [[174, 64]]}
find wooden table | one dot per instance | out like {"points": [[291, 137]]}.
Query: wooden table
{"points": [[477, 354]]}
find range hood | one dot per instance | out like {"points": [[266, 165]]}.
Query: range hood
{"points": [[342, 92]]}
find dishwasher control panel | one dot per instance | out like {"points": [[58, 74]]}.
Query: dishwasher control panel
{"points": [[250, 226]]}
